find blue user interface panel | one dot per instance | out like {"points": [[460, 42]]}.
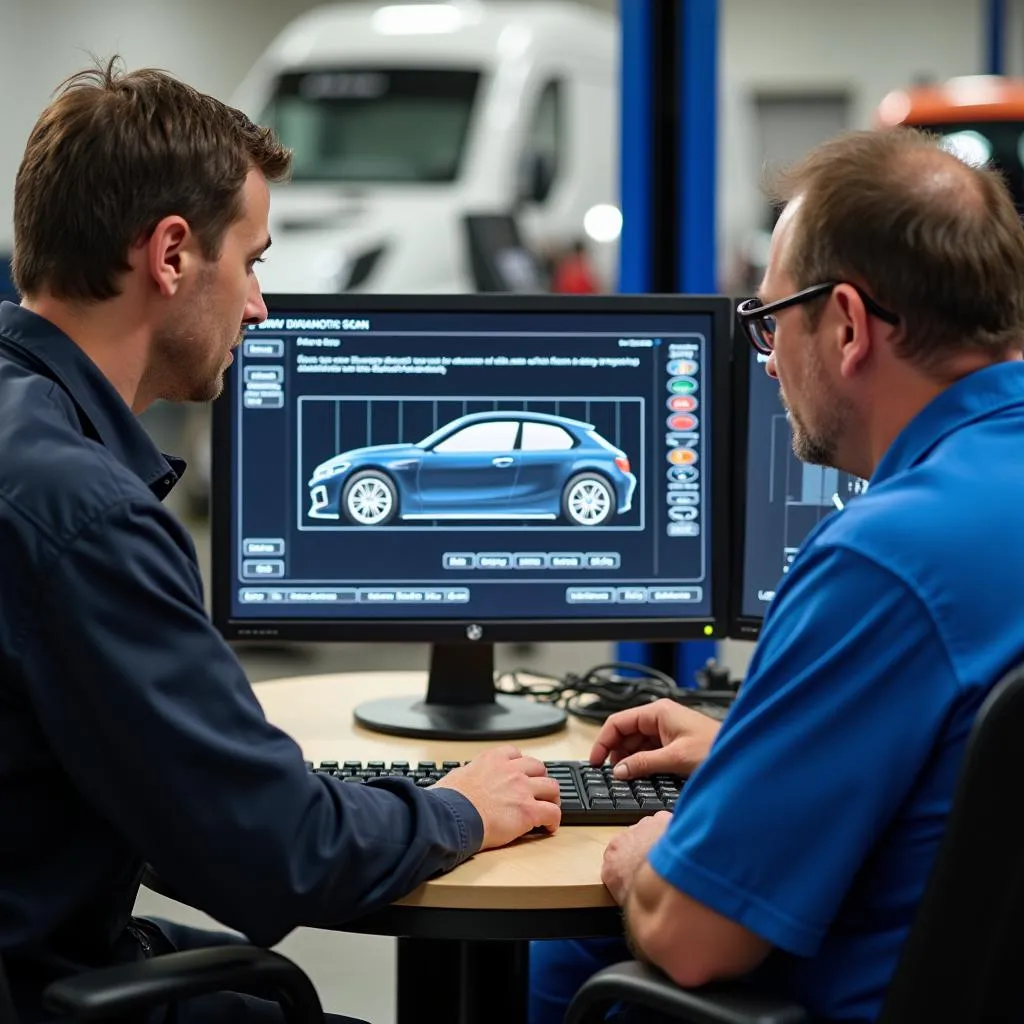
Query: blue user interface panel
{"points": [[785, 498], [472, 465]]}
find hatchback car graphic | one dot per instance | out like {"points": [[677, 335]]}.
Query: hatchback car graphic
{"points": [[485, 466]]}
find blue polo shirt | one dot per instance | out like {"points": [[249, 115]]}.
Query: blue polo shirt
{"points": [[815, 820], [128, 730]]}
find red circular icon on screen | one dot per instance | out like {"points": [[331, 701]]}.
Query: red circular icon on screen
{"points": [[682, 421], [682, 403]]}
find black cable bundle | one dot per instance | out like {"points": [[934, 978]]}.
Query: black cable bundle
{"points": [[605, 689]]}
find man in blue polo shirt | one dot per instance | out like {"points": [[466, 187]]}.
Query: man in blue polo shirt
{"points": [[892, 313]]}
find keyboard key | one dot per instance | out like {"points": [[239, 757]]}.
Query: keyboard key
{"points": [[354, 765], [449, 765], [354, 778], [427, 766], [424, 783], [404, 765], [602, 804], [376, 766], [328, 764]]}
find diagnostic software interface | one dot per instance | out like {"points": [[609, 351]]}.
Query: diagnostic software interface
{"points": [[481, 464], [785, 498]]}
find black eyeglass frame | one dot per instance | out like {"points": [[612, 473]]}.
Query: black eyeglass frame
{"points": [[751, 313]]}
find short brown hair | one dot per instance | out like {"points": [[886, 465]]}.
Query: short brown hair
{"points": [[112, 155], [929, 237]]}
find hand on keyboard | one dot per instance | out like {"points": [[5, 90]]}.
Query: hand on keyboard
{"points": [[512, 792], [659, 737], [587, 795]]}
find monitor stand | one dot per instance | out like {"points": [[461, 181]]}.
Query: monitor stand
{"points": [[461, 703]]}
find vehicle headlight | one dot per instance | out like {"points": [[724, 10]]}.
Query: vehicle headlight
{"points": [[321, 472]]}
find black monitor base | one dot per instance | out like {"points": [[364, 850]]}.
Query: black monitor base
{"points": [[461, 703]]}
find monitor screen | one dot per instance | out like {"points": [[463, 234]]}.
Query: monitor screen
{"points": [[778, 498], [466, 469]]}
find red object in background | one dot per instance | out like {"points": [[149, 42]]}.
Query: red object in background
{"points": [[573, 275]]}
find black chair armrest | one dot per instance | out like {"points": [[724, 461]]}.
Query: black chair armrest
{"points": [[640, 985], [112, 991]]}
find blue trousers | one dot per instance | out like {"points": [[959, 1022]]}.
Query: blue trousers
{"points": [[559, 967]]}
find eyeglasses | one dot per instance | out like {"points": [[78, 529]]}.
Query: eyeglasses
{"points": [[758, 319]]}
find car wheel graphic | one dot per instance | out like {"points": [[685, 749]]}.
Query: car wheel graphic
{"points": [[370, 499], [588, 500]]}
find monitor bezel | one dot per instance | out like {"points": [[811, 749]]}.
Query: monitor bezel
{"points": [[740, 626], [447, 631]]}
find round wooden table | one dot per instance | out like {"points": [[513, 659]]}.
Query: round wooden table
{"points": [[463, 937]]}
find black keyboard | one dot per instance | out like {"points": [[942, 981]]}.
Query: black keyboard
{"points": [[590, 796]]}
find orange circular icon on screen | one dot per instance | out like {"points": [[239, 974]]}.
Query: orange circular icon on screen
{"points": [[682, 403], [682, 456], [682, 421]]}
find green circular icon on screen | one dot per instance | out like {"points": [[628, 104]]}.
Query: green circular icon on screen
{"points": [[682, 385]]}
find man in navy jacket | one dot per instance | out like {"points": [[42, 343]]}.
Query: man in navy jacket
{"points": [[128, 730]]}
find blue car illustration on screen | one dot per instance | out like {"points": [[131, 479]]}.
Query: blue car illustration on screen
{"points": [[485, 466]]}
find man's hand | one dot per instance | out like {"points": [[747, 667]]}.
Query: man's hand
{"points": [[627, 852], [659, 737], [512, 792]]}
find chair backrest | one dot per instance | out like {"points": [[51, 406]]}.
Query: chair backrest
{"points": [[7, 1014], [961, 961]]}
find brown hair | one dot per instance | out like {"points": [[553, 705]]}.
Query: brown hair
{"points": [[929, 237], [112, 155]]}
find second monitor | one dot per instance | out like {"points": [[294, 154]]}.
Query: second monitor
{"points": [[471, 469], [778, 499]]}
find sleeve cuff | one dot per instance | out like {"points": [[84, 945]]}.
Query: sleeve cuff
{"points": [[727, 899], [467, 817]]}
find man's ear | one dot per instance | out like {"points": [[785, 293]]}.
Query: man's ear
{"points": [[167, 254], [852, 333]]}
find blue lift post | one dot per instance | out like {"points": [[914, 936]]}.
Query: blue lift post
{"points": [[668, 163], [995, 38]]}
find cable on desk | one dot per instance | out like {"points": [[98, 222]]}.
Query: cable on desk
{"points": [[604, 689]]}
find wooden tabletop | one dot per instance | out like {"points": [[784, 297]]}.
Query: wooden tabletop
{"points": [[562, 871]]}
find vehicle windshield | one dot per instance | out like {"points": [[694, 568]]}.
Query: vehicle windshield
{"points": [[998, 142], [374, 124]]}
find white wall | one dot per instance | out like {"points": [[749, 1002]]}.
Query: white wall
{"points": [[208, 43], [865, 48]]}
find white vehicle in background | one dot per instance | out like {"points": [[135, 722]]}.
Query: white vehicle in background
{"points": [[406, 119]]}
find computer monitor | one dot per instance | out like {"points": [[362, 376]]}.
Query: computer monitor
{"points": [[777, 498], [467, 469]]}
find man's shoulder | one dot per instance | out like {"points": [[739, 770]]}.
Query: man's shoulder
{"points": [[54, 480], [932, 517], [947, 532]]}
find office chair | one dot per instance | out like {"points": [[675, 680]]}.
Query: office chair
{"points": [[961, 960], [6, 1003], [112, 992]]}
